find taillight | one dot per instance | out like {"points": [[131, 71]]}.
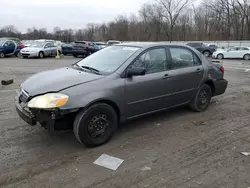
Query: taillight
{"points": [[222, 69]]}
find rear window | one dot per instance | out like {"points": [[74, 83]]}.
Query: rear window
{"points": [[79, 44]]}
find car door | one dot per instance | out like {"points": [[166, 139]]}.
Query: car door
{"points": [[186, 74], [10, 47], [232, 53], [242, 51], [54, 49], [47, 49], [150, 92]]}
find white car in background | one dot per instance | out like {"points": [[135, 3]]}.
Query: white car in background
{"points": [[113, 42], [241, 52], [40, 49]]}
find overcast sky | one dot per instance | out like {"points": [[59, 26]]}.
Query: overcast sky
{"points": [[63, 13]]}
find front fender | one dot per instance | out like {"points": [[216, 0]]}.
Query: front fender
{"points": [[82, 96]]}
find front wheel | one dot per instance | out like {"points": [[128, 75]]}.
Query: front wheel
{"points": [[96, 125], [202, 98], [1, 55], [41, 55]]}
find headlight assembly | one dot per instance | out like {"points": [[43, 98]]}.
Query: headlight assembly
{"points": [[50, 100]]}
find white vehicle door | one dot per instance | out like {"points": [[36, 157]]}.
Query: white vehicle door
{"points": [[231, 53]]}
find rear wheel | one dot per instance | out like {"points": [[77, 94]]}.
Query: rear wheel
{"points": [[206, 53], [18, 54], [202, 98], [95, 125], [246, 56], [75, 55], [1, 55]]}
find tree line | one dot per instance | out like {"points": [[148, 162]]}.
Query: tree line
{"points": [[161, 20]]}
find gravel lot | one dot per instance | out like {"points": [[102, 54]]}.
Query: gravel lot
{"points": [[182, 148]]}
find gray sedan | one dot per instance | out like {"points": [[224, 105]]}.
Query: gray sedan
{"points": [[40, 49], [119, 83]]}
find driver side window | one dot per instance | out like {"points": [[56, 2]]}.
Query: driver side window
{"points": [[48, 45], [153, 61], [9, 43]]}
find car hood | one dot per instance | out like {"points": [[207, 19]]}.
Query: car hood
{"points": [[56, 80], [31, 49]]}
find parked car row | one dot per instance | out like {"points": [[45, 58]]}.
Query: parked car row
{"points": [[43, 47], [85, 48], [239, 52]]}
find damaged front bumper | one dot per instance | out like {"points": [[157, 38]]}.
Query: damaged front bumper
{"points": [[31, 116]]}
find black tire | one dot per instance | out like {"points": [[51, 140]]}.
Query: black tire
{"points": [[207, 53], [75, 55], [87, 121], [202, 98], [41, 55], [246, 57], [18, 54], [2, 55], [220, 56]]}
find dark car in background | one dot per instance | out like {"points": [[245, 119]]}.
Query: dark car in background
{"points": [[9, 47], [67, 49], [204, 49], [119, 83], [83, 48]]}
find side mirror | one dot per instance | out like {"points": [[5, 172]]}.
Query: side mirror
{"points": [[136, 71]]}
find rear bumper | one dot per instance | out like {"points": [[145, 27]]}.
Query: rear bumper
{"points": [[220, 86], [80, 52]]}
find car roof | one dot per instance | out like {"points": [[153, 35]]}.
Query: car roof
{"points": [[149, 44]]}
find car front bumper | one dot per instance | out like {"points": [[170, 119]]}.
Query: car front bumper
{"points": [[29, 54], [220, 86], [25, 115], [45, 118]]}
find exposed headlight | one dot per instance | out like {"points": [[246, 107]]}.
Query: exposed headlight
{"points": [[50, 100]]}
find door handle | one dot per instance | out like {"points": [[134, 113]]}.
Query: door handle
{"points": [[198, 71], [166, 76]]}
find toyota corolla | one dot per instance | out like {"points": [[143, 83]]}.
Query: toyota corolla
{"points": [[116, 84]]}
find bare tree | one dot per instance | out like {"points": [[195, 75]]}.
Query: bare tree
{"points": [[171, 10]]}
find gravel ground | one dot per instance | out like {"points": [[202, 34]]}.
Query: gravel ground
{"points": [[181, 148]]}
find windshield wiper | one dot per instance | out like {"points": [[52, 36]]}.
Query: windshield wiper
{"points": [[91, 69]]}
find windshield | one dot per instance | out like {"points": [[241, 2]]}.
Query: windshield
{"points": [[2, 42], [108, 59], [37, 44]]}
